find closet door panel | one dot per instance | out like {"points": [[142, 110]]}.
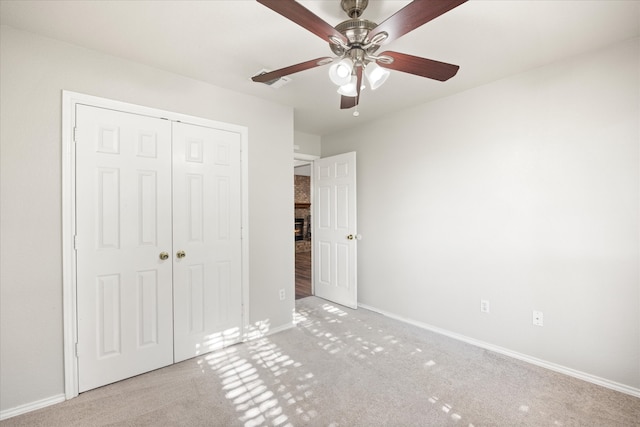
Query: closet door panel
{"points": [[207, 239], [123, 222]]}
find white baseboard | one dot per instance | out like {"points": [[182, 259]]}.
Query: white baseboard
{"points": [[281, 328], [520, 356], [28, 407], [260, 330]]}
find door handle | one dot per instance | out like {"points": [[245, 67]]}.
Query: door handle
{"points": [[181, 254], [164, 255], [351, 237]]}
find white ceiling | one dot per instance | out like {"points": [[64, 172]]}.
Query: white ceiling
{"points": [[226, 42]]}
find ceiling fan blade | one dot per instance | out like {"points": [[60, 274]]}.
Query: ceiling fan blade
{"points": [[347, 102], [274, 75], [413, 15], [302, 16], [420, 66]]}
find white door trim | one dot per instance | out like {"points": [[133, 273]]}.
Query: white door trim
{"points": [[69, 102], [305, 157]]}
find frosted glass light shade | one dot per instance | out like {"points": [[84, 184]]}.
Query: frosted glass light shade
{"points": [[340, 72], [376, 75], [349, 89]]}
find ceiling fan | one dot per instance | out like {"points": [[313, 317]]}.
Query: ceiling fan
{"points": [[356, 41]]}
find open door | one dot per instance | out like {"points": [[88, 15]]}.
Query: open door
{"points": [[335, 229]]}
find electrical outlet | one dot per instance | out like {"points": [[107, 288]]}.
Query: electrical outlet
{"points": [[484, 306], [281, 294], [538, 318]]}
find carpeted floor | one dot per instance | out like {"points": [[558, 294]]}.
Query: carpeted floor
{"points": [[341, 367]]}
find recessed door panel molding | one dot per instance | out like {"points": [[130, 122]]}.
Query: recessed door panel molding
{"points": [[324, 172], [324, 264], [224, 207], [342, 170], [108, 208], [108, 140], [194, 150], [335, 230], [147, 308], [147, 208], [223, 154], [195, 206], [323, 212], [343, 279], [195, 289], [109, 322], [222, 298], [149, 280], [147, 144], [342, 208]]}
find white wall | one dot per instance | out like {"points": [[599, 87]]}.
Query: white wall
{"points": [[307, 143], [524, 192], [33, 73]]}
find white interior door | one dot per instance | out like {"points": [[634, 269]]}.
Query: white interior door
{"points": [[207, 239], [123, 212], [335, 229]]}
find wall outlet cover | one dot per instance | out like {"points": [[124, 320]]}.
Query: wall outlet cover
{"points": [[538, 318], [484, 306]]}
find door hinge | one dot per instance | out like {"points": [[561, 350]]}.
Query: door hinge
{"points": [[75, 134], [77, 350], [75, 242]]}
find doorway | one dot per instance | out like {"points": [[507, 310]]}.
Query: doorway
{"points": [[303, 228], [332, 228]]}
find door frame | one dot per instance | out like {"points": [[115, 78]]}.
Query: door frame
{"points": [[70, 327]]}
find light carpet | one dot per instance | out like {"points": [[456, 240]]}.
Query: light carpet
{"points": [[342, 367]]}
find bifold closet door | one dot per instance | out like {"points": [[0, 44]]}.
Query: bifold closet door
{"points": [[123, 226], [206, 239], [158, 243]]}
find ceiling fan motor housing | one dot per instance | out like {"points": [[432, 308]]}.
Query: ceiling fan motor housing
{"points": [[356, 31]]}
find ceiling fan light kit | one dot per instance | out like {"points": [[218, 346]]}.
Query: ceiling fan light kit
{"points": [[340, 71], [349, 89], [376, 75], [356, 40]]}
